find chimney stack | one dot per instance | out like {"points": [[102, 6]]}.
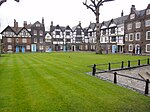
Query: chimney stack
{"points": [[51, 23], [15, 24], [25, 24], [43, 20], [133, 8], [122, 13], [80, 23]]}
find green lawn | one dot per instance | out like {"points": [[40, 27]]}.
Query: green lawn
{"points": [[57, 82]]}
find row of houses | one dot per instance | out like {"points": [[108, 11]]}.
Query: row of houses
{"points": [[125, 34]]}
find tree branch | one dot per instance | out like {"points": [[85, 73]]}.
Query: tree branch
{"points": [[89, 7], [94, 3], [100, 3]]}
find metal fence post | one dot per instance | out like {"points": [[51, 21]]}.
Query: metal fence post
{"points": [[109, 66], [129, 64], [115, 78], [94, 70], [146, 87], [122, 64], [148, 61], [138, 62]]}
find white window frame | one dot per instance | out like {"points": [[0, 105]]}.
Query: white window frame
{"points": [[24, 40], [41, 40], [41, 47], [28, 47], [132, 16], [9, 47], [138, 25], [147, 11], [35, 40], [131, 45], [147, 47], [9, 40], [147, 35], [139, 36], [132, 37], [129, 26], [126, 37], [147, 23]]}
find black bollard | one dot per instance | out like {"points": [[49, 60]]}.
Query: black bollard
{"points": [[146, 87], [128, 64], [109, 66], [94, 70], [139, 63], [148, 61], [122, 64], [115, 78]]}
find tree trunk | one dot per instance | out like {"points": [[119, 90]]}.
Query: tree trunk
{"points": [[98, 45]]}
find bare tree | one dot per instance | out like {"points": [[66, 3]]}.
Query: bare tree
{"points": [[3, 1], [94, 6]]}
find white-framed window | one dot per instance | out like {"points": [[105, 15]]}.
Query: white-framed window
{"points": [[9, 47], [35, 32], [47, 40], [131, 37], [138, 24], [17, 40], [9, 40], [28, 47], [126, 37], [138, 36], [41, 33], [35, 40], [37, 25], [41, 47], [41, 40], [129, 26], [148, 35], [147, 47], [147, 23], [24, 40], [147, 11], [130, 47], [132, 16]]}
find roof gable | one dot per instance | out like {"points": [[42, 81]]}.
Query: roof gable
{"points": [[8, 28], [24, 30]]}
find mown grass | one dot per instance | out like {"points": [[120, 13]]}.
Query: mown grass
{"points": [[56, 82]]}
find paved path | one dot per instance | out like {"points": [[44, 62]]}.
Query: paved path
{"points": [[133, 84]]}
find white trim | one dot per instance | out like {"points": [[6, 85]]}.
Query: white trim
{"points": [[131, 45], [139, 36], [147, 35], [146, 47], [132, 36]]}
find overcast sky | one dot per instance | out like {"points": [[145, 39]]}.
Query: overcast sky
{"points": [[63, 12]]}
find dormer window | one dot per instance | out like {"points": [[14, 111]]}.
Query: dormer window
{"points": [[132, 16], [147, 11]]}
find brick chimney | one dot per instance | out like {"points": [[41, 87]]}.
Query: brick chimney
{"points": [[133, 8], [15, 24], [43, 20], [122, 13], [25, 24]]}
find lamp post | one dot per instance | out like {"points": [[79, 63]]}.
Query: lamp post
{"points": [[94, 6]]}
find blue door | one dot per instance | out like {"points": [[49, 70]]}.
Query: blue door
{"points": [[114, 48], [17, 49], [23, 49], [33, 47]]}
